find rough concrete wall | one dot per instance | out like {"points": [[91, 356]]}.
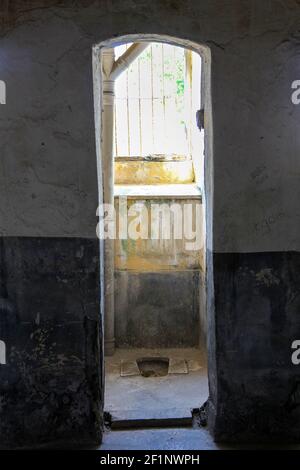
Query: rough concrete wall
{"points": [[258, 386], [50, 386], [48, 190], [157, 309], [168, 252], [158, 282]]}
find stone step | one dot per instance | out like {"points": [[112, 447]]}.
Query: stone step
{"points": [[168, 417]]}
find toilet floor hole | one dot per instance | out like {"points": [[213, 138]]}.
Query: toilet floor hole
{"points": [[153, 366]]}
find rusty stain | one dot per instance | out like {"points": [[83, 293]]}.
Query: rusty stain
{"points": [[152, 255], [157, 172]]}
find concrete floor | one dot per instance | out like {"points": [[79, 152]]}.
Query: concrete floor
{"points": [[154, 394], [149, 395], [159, 439], [176, 439]]}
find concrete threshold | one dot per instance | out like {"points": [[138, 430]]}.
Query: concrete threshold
{"points": [[133, 419]]}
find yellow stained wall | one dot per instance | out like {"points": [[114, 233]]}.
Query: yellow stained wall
{"points": [[148, 255], [154, 172]]}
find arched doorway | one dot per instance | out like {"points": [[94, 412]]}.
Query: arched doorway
{"points": [[104, 105]]}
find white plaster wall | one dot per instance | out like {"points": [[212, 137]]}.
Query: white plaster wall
{"points": [[46, 62], [48, 181]]}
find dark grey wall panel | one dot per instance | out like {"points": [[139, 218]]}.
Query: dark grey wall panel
{"points": [[50, 387], [257, 306], [158, 309]]}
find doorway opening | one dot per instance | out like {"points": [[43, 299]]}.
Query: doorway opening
{"points": [[153, 226]]}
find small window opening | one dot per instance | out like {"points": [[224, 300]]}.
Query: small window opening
{"points": [[156, 100]]}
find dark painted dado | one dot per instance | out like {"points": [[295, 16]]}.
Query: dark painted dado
{"points": [[257, 305], [50, 387], [49, 319]]}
